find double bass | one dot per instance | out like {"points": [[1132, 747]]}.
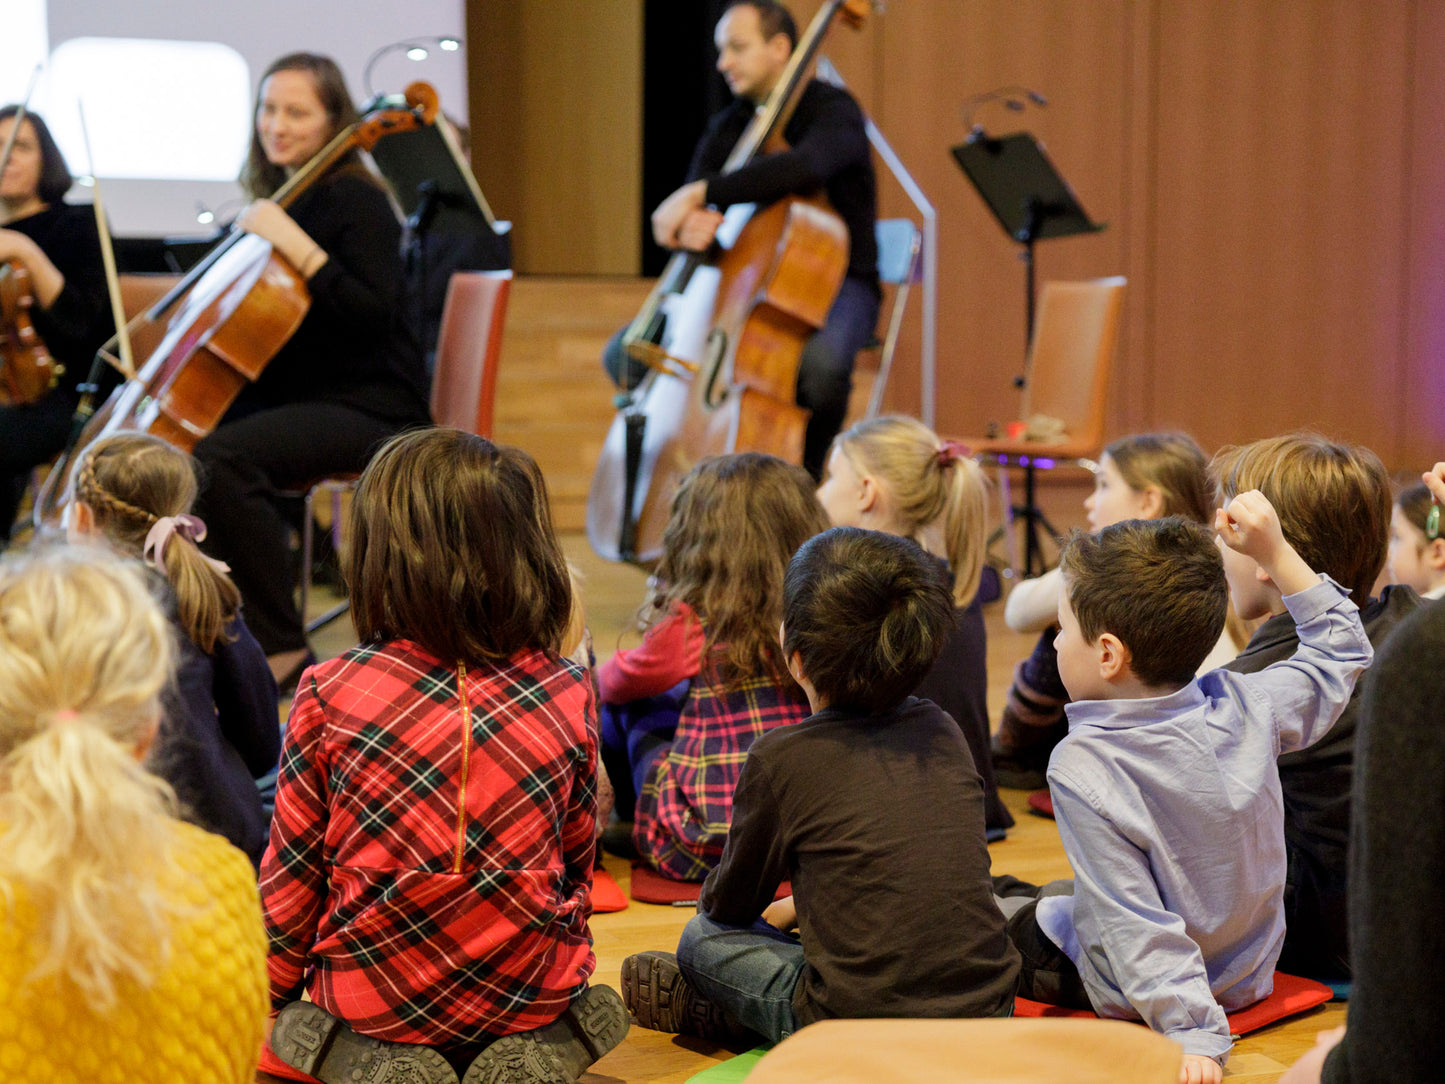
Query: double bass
{"points": [[226, 319], [722, 333]]}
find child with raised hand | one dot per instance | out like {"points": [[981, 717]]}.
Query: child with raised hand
{"points": [[1417, 542], [131, 945], [1333, 503], [873, 810], [1165, 788], [429, 873], [681, 710], [222, 730], [1145, 476], [894, 474]]}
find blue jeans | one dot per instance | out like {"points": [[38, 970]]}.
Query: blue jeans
{"points": [[748, 972]]}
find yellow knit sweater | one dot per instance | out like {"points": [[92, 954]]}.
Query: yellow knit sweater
{"points": [[199, 1021]]}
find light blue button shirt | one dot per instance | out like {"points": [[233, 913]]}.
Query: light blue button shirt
{"points": [[1171, 815]]}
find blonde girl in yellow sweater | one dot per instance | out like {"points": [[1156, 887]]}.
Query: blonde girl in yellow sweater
{"points": [[131, 945]]}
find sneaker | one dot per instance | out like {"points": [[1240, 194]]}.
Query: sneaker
{"points": [[659, 997], [309, 1038], [560, 1052]]}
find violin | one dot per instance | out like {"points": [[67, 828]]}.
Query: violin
{"points": [[27, 371], [723, 381], [222, 323]]}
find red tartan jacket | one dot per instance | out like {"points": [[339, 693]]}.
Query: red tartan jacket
{"points": [[429, 872]]}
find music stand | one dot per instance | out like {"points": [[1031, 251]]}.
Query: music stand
{"points": [[1026, 194], [449, 226]]}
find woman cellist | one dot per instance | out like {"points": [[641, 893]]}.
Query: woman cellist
{"points": [[57, 244], [349, 377]]}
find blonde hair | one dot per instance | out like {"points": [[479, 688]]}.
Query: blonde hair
{"points": [[131, 480], [941, 495], [84, 829]]}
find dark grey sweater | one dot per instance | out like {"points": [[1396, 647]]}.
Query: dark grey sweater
{"points": [[1397, 864]]}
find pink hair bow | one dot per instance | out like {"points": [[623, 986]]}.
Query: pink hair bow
{"points": [[191, 528]]}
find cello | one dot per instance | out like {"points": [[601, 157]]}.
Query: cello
{"points": [[722, 347], [228, 317]]}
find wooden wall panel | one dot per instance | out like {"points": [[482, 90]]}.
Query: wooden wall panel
{"points": [[1420, 402], [934, 56], [1281, 155], [556, 107]]}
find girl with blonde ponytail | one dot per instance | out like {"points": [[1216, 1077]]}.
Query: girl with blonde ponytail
{"points": [[894, 474], [131, 945], [223, 733]]}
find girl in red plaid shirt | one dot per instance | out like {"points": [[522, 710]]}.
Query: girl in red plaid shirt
{"points": [[681, 710], [428, 877]]}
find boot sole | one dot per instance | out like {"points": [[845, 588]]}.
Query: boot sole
{"points": [[309, 1038], [560, 1052]]}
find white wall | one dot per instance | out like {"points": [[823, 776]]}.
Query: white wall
{"points": [[259, 30]]}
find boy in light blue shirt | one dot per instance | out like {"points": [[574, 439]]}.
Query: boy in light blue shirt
{"points": [[1165, 789]]}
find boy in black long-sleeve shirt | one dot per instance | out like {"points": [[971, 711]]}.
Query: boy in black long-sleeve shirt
{"points": [[872, 808]]}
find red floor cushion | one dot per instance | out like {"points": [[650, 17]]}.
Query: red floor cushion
{"points": [[649, 886], [1292, 995]]}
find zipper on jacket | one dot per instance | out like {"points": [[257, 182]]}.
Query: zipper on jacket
{"points": [[466, 763]]}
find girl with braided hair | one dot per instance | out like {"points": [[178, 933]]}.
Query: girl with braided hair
{"points": [[222, 729]]}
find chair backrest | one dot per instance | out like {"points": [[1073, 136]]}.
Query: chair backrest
{"points": [[898, 243], [1076, 330], [464, 386]]}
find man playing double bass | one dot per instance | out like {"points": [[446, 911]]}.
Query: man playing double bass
{"points": [[827, 149]]}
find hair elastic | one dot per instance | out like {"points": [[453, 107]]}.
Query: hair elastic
{"points": [[952, 450], [191, 528], [66, 715]]}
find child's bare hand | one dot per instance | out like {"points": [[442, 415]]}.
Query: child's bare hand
{"points": [[1434, 480], [1250, 525], [1197, 1069], [782, 914]]}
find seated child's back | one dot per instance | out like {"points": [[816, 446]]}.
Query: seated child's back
{"points": [[429, 875], [735, 522]]}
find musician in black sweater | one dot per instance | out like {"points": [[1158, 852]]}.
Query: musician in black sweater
{"points": [[827, 150], [349, 378], [58, 245]]}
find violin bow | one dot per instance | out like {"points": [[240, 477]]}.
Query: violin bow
{"points": [[107, 254], [20, 112]]}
